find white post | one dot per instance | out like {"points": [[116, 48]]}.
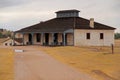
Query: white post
{"points": [[42, 38], [23, 38], [64, 39]]}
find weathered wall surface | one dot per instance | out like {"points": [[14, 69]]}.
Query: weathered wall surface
{"points": [[80, 38], [18, 35], [26, 38], [69, 39]]}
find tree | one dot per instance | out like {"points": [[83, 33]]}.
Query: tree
{"points": [[0, 35], [5, 33], [117, 35]]}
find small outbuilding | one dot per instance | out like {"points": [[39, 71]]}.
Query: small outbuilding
{"points": [[11, 42]]}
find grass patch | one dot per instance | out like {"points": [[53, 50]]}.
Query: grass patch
{"points": [[6, 64], [89, 60]]}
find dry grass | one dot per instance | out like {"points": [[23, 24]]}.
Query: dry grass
{"points": [[96, 61], [117, 43], [6, 64]]}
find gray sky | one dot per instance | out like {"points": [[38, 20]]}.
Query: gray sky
{"points": [[17, 14]]}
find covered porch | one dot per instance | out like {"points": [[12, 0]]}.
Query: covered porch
{"points": [[47, 39]]}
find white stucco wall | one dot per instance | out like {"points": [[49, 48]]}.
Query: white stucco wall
{"points": [[80, 38], [18, 35], [59, 37], [26, 38], [35, 39], [69, 39]]}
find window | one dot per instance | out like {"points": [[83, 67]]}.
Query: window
{"points": [[38, 37], [101, 36], [6, 44], [88, 36]]}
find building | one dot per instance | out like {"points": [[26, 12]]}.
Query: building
{"points": [[11, 42], [67, 29], [1, 30]]}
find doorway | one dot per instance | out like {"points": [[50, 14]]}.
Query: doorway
{"points": [[46, 38], [66, 39], [56, 38], [30, 38], [38, 37]]}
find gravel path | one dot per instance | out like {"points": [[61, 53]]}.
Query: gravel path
{"points": [[34, 64]]}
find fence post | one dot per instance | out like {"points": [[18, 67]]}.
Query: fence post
{"points": [[112, 47]]}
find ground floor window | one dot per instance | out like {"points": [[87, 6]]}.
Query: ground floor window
{"points": [[101, 36], [87, 35]]}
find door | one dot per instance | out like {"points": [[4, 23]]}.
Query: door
{"points": [[46, 38], [56, 38], [30, 38]]}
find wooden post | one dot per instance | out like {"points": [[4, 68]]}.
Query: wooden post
{"points": [[42, 39], [112, 47], [73, 38], [52, 39], [23, 38], [64, 39]]}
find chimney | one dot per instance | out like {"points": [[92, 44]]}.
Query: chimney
{"points": [[92, 22]]}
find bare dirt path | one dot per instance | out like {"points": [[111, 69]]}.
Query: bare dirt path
{"points": [[37, 65]]}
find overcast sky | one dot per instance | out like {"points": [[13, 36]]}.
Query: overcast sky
{"points": [[17, 14]]}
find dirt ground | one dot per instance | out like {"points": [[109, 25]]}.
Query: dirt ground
{"points": [[34, 64], [98, 62], [74, 63]]}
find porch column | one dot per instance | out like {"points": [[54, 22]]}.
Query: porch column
{"points": [[73, 38], [32, 38], [64, 39], [52, 38], [23, 38], [42, 38], [14, 39]]}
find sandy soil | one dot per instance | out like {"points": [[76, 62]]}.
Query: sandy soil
{"points": [[34, 64]]}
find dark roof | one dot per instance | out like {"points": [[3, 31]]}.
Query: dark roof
{"points": [[63, 24], [20, 40], [62, 11]]}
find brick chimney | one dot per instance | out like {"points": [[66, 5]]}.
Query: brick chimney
{"points": [[91, 22]]}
